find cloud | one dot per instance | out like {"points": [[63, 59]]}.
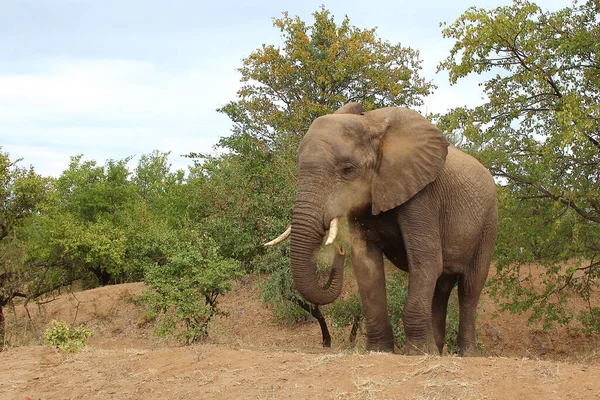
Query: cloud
{"points": [[113, 108], [111, 90], [52, 160]]}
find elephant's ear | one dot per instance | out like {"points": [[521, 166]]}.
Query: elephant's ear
{"points": [[350, 108], [412, 151]]}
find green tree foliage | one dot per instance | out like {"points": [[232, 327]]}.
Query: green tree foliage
{"points": [[21, 193], [160, 190], [539, 132], [92, 192], [97, 219], [241, 198], [21, 190], [83, 231], [319, 68], [101, 224]]}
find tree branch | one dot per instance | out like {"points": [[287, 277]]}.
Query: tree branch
{"points": [[568, 202], [3, 231]]}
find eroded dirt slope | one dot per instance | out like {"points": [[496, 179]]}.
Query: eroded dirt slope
{"points": [[249, 357]]}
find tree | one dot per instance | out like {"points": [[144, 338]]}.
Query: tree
{"points": [[93, 222], [317, 69], [86, 226], [161, 189], [101, 224], [539, 133], [241, 197], [21, 192], [91, 192]]}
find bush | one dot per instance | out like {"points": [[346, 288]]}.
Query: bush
{"points": [[348, 312], [344, 311], [185, 286], [452, 325], [66, 338]]}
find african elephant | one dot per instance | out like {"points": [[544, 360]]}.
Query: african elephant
{"points": [[409, 196]]}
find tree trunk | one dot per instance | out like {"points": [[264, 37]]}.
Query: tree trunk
{"points": [[103, 276], [2, 326]]}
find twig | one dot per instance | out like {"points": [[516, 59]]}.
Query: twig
{"points": [[76, 308]]}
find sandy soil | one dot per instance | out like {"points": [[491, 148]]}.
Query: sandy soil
{"points": [[250, 357]]}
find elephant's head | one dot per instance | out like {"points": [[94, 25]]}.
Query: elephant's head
{"points": [[352, 160]]}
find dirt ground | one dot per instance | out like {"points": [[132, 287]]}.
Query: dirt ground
{"points": [[250, 357]]}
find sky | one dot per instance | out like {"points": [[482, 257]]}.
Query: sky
{"points": [[117, 78]]}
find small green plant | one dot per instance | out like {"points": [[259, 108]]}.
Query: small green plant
{"points": [[452, 324], [66, 338], [590, 319], [278, 290]]}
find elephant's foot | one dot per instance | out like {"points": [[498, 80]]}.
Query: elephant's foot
{"points": [[413, 348], [469, 351], [384, 347]]}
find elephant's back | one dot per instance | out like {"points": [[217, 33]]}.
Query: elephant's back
{"points": [[468, 207], [467, 187], [465, 170]]}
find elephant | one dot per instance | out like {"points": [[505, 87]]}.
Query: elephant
{"points": [[407, 195]]}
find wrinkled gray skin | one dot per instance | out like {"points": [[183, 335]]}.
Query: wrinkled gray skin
{"points": [[409, 196]]}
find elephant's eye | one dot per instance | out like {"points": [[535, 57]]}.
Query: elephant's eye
{"points": [[348, 169]]}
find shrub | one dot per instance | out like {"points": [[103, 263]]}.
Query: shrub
{"points": [[185, 287], [66, 338], [278, 291]]}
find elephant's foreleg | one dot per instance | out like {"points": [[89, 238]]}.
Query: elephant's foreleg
{"points": [[443, 288], [424, 253], [417, 318], [367, 260]]}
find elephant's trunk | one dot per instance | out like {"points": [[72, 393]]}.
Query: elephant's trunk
{"points": [[306, 238]]}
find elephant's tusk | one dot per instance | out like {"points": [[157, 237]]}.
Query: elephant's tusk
{"points": [[333, 229], [280, 238]]}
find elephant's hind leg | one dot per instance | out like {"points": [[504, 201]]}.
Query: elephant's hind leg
{"points": [[443, 288], [470, 286]]}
